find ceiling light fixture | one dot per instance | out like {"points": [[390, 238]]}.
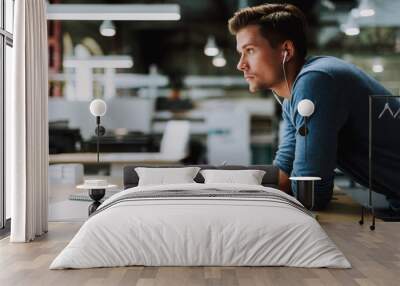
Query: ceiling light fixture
{"points": [[114, 12], [366, 8], [211, 48], [377, 66], [107, 28], [328, 4], [219, 60], [99, 62], [350, 28]]}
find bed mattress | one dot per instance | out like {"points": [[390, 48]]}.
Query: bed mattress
{"points": [[201, 225]]}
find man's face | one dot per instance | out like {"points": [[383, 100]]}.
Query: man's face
{"points": [[259, 62]]}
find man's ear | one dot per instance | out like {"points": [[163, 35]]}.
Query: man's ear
{"points": [[287, 51]]}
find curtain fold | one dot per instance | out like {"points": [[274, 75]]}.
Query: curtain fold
{"points": [[27, 123]]}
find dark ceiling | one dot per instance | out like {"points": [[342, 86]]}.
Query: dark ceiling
{"points": [[177, 47]]}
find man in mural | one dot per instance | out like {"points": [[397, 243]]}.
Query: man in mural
{"points": [[271, 41]]}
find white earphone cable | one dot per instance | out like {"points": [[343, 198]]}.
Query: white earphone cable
{"points": [[284, 74], [287, 83], [277, 98]]}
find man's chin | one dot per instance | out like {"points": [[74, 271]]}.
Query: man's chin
{"points": [[253, 88], [256, 87]]}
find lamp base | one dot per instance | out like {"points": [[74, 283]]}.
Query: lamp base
{"points": [[96, 195], [100, 130], [305, 190], [305, 193]]}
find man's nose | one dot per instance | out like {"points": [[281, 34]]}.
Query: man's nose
{"points": [[241, 64]]}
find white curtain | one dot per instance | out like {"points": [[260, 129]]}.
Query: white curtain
{"points": [[27, 124]]}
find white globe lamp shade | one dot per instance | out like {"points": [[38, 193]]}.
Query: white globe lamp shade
{"points": [[98, 107], [305, 107]]}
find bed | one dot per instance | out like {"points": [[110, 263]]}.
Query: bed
{"points": [[201, 224]]}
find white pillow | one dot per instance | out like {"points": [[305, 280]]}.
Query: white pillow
{"points": [[163, 176], [248, 177]]}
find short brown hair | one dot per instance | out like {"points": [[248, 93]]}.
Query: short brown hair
{"points": [[277, 22]]}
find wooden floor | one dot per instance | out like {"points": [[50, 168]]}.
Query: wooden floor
{"points": [[374, 255]]}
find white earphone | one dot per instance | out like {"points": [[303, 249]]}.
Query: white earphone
{"points": [[284, 74], [305, 107]]}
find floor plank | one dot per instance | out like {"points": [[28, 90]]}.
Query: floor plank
{"points": [[374, 255]]}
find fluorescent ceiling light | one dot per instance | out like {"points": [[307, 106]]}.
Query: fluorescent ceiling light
{"points": [[201, 81], [127, 80], [99, 62], [219, 60], [107, 28], [114, 12], [211, 48], [328, 4]]}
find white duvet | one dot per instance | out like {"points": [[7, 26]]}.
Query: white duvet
{"points": [[200, 231]]}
